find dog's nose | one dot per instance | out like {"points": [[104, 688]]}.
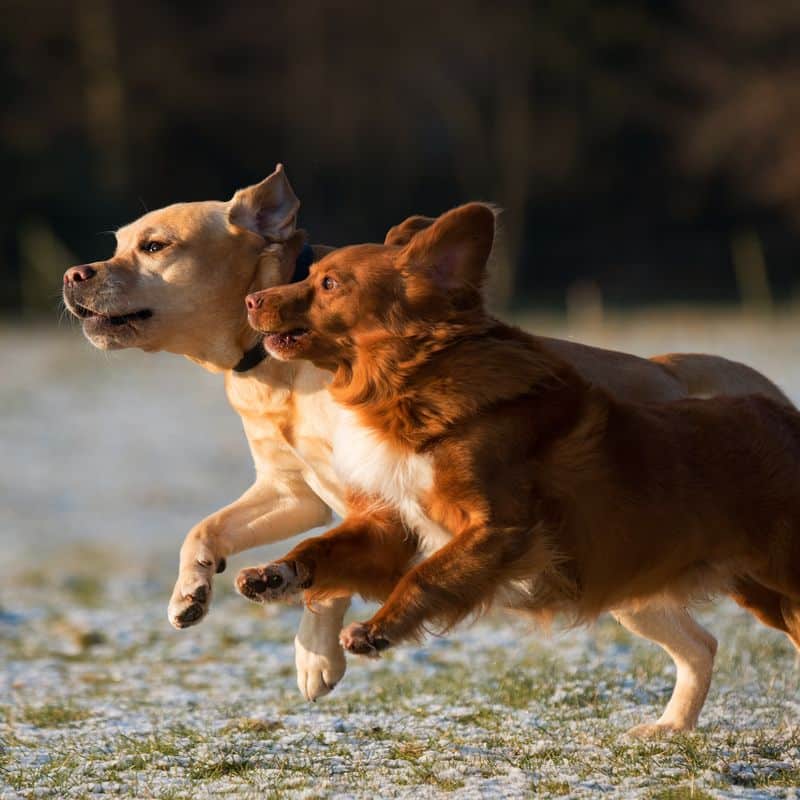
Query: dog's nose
{"points": [[253, 301], [79, 274]]}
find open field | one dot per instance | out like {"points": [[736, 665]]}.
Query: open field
{"points": [[107, 462]]}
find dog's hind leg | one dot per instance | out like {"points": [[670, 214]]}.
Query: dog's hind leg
{"points": [[769, 606], [790, 608], [691, 647]]}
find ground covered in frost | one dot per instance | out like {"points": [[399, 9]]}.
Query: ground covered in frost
{"points": [[107, 461]]}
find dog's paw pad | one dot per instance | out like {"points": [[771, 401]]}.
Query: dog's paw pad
{"points": [[191, 614], [187, 609], [250, 584], [357, 639], [273, 581], [200, 596]]}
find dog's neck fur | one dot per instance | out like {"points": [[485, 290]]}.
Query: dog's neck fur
{"points": [[396, 385], [222, 354], [225, 353]]}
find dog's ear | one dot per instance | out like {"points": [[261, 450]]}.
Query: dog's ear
{"points": [[277, 262], [268, 208], [450, 256], [403, 233]]}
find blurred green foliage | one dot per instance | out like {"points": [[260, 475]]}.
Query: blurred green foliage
{"points": [[631, 143]]}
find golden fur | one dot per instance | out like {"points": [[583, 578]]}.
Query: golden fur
{"points": [[194, 288]]}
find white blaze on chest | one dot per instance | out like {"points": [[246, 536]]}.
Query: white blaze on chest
{"points": [[288, 415], [365, 462]]}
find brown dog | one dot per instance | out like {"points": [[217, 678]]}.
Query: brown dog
{"points": [[469, 441]]}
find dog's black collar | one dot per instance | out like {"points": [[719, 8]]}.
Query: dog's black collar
{"points": [[257, 353], [303, 264], [252, 357]]}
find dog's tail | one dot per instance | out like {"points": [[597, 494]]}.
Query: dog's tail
{"points": [[707, 376]]}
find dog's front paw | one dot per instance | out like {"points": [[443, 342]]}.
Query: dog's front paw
{"points": [[279, 580], [191, 596], [360, 639], [318, 671]]}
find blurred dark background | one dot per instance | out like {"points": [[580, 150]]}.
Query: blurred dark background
{"points": [[644, 152]]}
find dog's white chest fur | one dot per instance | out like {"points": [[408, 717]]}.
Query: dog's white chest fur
{"points": [[366, 463]]}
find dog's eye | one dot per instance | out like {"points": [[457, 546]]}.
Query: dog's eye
{"points": [[152, 246], [329, 283]]}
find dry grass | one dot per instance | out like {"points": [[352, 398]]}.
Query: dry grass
{"points": [[100, 697]]}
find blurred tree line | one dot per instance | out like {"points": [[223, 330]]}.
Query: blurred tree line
{"points": [[635, 146]]}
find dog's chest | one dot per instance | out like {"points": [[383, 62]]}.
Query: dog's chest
{"points": [[368, 464]]}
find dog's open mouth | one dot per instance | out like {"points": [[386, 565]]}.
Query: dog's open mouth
{"points": [[286, 341], [114, 320], [286, 338]]}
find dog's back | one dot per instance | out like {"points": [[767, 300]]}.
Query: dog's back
{"points": [[680, 498]]}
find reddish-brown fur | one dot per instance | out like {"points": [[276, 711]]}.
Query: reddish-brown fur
{"points": [[591, 502], [373, 545]]}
